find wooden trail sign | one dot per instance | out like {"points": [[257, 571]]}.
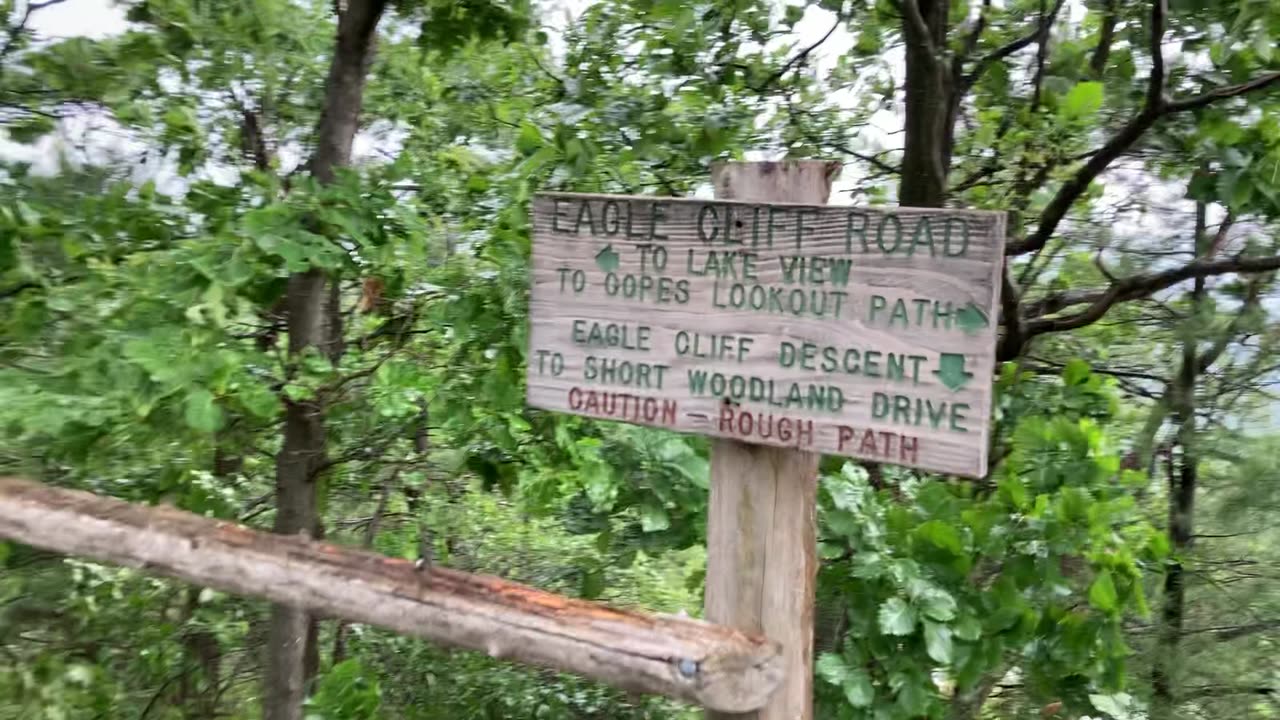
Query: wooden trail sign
{"points": [[862, 332]]}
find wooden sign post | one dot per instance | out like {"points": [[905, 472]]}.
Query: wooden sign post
{"points": [[762, 521], [785, 327]]}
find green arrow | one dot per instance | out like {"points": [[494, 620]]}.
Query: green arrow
{"points": [[971, 319], [951, 371], [607, 259]]}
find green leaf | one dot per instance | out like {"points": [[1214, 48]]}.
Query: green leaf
{"points": [[967, 628], [593, 584], [1083, 99], [1076, 371], [1262, 45], [259, 400], [938, 604], [654, 518], [1102, 593], [832, 668], [937, 640], [858, 689], [942, 535], [1109, 704], [855, 682], [897, 617], [202, 412], [529, 140], [29, 129]]}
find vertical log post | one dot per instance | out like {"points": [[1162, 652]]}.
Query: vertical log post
{"points": [[762, 526]]}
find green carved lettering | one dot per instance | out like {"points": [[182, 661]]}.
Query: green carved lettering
{"points": [[855, 226], [840, 271], [703, 235], [896, 232], [878, 303], [964, 237], [801, 228], [880, 406], [657, 214], [902, 409], [871, 363], [584, 211], [922, 236], [773, 213], [786, 354], [899, 314], [557, 213]]}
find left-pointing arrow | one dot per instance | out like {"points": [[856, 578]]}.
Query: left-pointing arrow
{"points": [[607, 259]]}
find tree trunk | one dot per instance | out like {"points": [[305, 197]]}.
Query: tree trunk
{"points": [[290, 633], [1182, 494], [930, 116]]}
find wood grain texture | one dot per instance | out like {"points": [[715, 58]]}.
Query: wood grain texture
{"points": [[882, 348], [686, 659], [762, 519], [761, 562]]}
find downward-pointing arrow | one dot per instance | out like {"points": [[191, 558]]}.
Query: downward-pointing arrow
{"points": [[951, 371]]}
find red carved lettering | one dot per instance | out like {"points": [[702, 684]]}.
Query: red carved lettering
{"points": [[887, 438], [624, 406], [804, 432], [844, 436], [868, 446], [907, 448], [668, 412], [726, 418], [784, 429]]}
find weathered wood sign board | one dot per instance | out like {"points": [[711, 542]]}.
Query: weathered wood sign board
{"points": [[868, 333]]}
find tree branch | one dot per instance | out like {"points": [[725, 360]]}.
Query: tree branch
{"points": [[911, 11], [1102, 51], [1155, 108], [1073, 188], [1204, 691], [1014, 338], [1041, 29], [1138, 286], [1231, 633], [18, 289], [799, 57], [970, 44], [1221, 93], [1155, 82]]}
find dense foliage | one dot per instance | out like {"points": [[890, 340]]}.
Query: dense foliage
{"points": [[1118, 562]]}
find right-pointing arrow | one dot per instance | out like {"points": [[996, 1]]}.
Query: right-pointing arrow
{"points": [[971, 319]]}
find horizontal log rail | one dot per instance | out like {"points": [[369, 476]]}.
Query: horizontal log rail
{"points": [[716, 667]]}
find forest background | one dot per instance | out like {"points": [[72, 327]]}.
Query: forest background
{"points": [[267, 261]]}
